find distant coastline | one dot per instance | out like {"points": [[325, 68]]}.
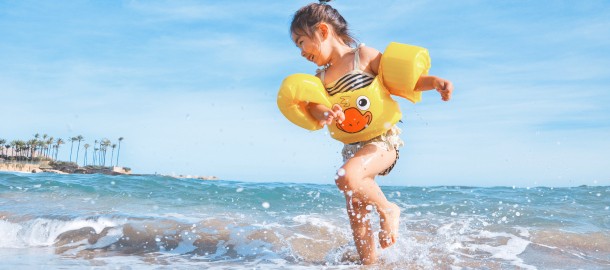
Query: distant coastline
{"points": [[60, 168], [40, 154], [72, 168]]}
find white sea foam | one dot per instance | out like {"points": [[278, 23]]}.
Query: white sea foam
{"points": [[9, 235], [316, 221], [43, 232], [509, 252]]}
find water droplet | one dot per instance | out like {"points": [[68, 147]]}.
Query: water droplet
{"points": [[239, 189], [265, 205], [518, 214], [112, 182], [341, 172], [370, 207]]}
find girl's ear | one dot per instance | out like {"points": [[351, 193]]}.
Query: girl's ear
{"points": [[324, 31]]}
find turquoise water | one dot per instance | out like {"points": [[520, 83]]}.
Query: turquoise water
{"points": [[144, 222]]}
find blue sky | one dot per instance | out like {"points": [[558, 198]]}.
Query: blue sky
{"points": [[191, 86]]}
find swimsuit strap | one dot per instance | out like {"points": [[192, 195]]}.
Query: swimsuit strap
{"points": [[356, 52]]}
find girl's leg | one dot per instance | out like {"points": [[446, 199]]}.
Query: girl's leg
{"points": [[361, 230], [357, 182]]}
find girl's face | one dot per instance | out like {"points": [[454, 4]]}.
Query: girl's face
{"points": [[312, 48]]}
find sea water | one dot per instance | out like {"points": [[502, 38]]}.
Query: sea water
{"points": [[51, 221]]}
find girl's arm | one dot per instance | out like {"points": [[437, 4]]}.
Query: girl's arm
{"points": [[444, 87], [371, 58]]}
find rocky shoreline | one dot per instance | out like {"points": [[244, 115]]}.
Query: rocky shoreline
{"points": [[72, 168], [61, 168]]}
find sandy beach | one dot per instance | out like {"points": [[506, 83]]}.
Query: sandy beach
{"points": [[24, 167], [20, 167]]}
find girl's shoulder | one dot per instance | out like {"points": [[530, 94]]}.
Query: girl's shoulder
{"points": [[370, 58], [366, 50]]}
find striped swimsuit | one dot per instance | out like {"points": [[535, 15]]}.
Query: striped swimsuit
{"points": [[354, 80]]}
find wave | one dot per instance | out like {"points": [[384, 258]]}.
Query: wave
{"points": [[212, 239], [304, 240], [155, 220]]}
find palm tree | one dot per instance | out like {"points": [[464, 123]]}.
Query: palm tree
{"points": [[104, 146], [2, 142], [48, 145], [79, 138], [96, 160], [95, 153], [86, 146], [58, 143], [31, 145], [112, 156], [13, 144], [36, 137], [72, 140], [7, 146], [19, 147], [40, 146], [118, 151]]}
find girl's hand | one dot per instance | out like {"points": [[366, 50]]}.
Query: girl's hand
{"points": [[334, 114], [326, 115], [444, 87]]}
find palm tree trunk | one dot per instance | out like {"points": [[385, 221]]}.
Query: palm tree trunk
{"points": [[71, 147], [77, 150], [118, 151], [111, 157]]}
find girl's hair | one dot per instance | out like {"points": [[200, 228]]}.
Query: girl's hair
{"points": [[308, 17]]}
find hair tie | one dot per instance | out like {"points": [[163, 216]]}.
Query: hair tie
{"points": [[324, 2]]}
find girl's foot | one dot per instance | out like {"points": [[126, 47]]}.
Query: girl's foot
{"points": [[389, 220]]}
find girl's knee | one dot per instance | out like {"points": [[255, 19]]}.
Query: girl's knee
{"points": [[347, 180]]}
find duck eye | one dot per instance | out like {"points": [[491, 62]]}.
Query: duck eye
{"points": [[363, 103]]}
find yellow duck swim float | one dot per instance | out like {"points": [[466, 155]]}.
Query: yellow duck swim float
{"points": [[369, 111]]}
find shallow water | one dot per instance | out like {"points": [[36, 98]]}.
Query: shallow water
{"points": [[144, 222]]}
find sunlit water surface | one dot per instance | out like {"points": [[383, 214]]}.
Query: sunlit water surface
{"points": [[144, 222]]}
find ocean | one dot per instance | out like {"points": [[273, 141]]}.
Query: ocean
{"points": [[52, 221]]}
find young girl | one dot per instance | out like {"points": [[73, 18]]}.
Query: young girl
{"points": [[322, 35]]}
